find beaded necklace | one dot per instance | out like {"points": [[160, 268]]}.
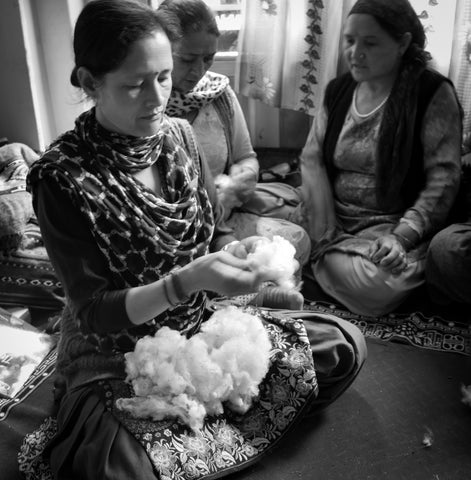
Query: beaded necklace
{"points": [[364, 115]]}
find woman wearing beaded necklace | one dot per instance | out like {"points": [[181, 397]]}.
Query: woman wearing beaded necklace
{"points": [[381, 166]]}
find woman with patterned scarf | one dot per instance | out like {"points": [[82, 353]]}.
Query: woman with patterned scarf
{"points": [[207, 101], [381, 165], [133, 228]]}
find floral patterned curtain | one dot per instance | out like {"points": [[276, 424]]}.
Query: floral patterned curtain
{"points": [[438, 19], [447, 24], [288, 50], [460, 67]]}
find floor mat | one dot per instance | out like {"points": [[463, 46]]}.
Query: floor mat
{"points": [[376, 429], [418, 321], [429, 332], [411, 326]]}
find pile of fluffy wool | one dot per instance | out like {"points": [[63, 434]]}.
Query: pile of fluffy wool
{"points": [[173, 376], [275, 257]]}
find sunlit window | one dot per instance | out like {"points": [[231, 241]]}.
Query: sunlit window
{"points": [[229, 20], [438, 19]]}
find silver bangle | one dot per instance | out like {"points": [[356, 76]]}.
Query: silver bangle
{"points": [[181, 296], [406, 243], [171, 302]]}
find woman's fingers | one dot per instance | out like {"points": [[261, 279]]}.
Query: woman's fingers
{"points": [[391, 260], [388, 253], [250, 242], [395, 262], [402, 264], [379, 251], [224, 273]]}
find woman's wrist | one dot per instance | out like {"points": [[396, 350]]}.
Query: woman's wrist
{"points": [[182, 295], [169, 292], [176, 288], [406, 235], [406, 243]]}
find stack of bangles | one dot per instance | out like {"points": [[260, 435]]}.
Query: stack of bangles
{"points": [[173, 290], [406, 243]]}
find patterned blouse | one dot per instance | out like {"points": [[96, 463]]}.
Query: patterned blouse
{"points": [[106, 232]]}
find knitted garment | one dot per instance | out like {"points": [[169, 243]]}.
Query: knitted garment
{"points": [[142, 236]]}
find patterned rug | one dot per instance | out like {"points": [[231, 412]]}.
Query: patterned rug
{"points": [[431, 332], [417, 329]]}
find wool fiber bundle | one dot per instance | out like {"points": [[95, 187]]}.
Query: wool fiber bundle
{"points": [[276, 258], [223, 363]]}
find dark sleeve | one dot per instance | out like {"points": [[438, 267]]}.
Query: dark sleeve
{"points": [[93, 299], [222, 233]]}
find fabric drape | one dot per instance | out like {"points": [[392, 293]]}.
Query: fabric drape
{"points": [[288, 50], [460, 67]]}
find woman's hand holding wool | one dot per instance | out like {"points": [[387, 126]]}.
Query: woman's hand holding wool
{"points": [[241, 248], [245, 180], [221, 272]]}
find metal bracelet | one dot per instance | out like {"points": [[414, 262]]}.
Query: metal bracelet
{"points": [[404, 241], [182, 297], [167, 293]]}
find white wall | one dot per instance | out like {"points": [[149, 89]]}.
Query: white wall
{"points": [[18, 121], [37, 102], [58, 102]]}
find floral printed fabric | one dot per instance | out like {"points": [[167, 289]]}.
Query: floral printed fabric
{"points": [[30, 458], [231, 441], [288, 51], [227, 442]]}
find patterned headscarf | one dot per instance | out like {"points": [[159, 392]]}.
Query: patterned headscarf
{"points": [[396, 133], [142, 236], [210, 87]]}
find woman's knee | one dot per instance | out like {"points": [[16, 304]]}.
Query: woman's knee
{"points": [[360, 285], [448, 265], [339, 352], [451, 246]]}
